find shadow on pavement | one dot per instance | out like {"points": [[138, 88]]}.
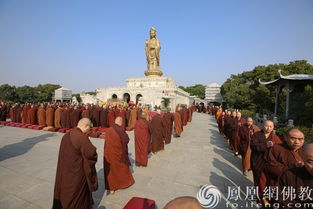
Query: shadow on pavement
{"points": [[20, 148], [98, 195], [233, 198]]}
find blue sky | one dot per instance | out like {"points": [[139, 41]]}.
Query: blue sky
{"points": [[84, 45]]}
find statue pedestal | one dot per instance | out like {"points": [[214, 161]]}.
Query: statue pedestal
{"points": [[153, 73]]}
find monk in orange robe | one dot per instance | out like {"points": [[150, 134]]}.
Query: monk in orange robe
{"points": [[186, 115], [50, 116], [261, 142], [116, 161], [146, 110], [31, 115], [76, 176], [57, 117], [177, 123], [284, 156], [41, 115], [142, 141], [24, 113]]}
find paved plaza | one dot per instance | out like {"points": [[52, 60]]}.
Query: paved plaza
{"points": [[201, 156]]}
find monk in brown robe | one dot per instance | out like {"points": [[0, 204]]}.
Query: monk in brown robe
{"points": [[284, 156], [86, 112], [31, 115], [76, 176], [3, 114], [96, 116], [220, 122], [157, 131], [120, 112], [75, 116], [132, 119], [227, 128], [41, 115], [65, 118], [111, 117], [50, 116], [190, 114], [182, 114], [104, 117], [299, 179], [246, 132], [186, 115], [240, 122], [116, 161], [57, 117], [168, 126], [142, 141], [261, 142], [232, 131], [177, 123]]}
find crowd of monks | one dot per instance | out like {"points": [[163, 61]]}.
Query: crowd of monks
{"points": [[152, 130], [276, 162]]}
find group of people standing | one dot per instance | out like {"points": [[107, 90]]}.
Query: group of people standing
{"points": [[78, 154], [276, 162]]}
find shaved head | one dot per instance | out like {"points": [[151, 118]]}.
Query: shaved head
{"points": [[119, 121], [183, 203], [308, 149], [268, 126], [84, 125]]}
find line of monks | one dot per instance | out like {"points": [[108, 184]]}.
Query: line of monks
{"points": [[64, 115], [274, 161], [74, 189]]}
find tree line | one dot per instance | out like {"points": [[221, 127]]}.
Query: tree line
{"points": [[243, 91], [27, 94]]}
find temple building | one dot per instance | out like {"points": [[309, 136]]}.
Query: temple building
{"points": [[213, 94]]}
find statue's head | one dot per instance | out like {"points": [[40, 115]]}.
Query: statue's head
{"points": [[152, 32]]}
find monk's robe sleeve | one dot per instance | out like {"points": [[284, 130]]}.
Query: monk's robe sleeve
{"points": [[285, 180], [257, 144], [274, 165], [90, 157]]}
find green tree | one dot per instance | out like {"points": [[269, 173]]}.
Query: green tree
{"points": [[197, 90], [243, 91], [25, 94], [8, 93], [165, 101], [45, 92]]}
